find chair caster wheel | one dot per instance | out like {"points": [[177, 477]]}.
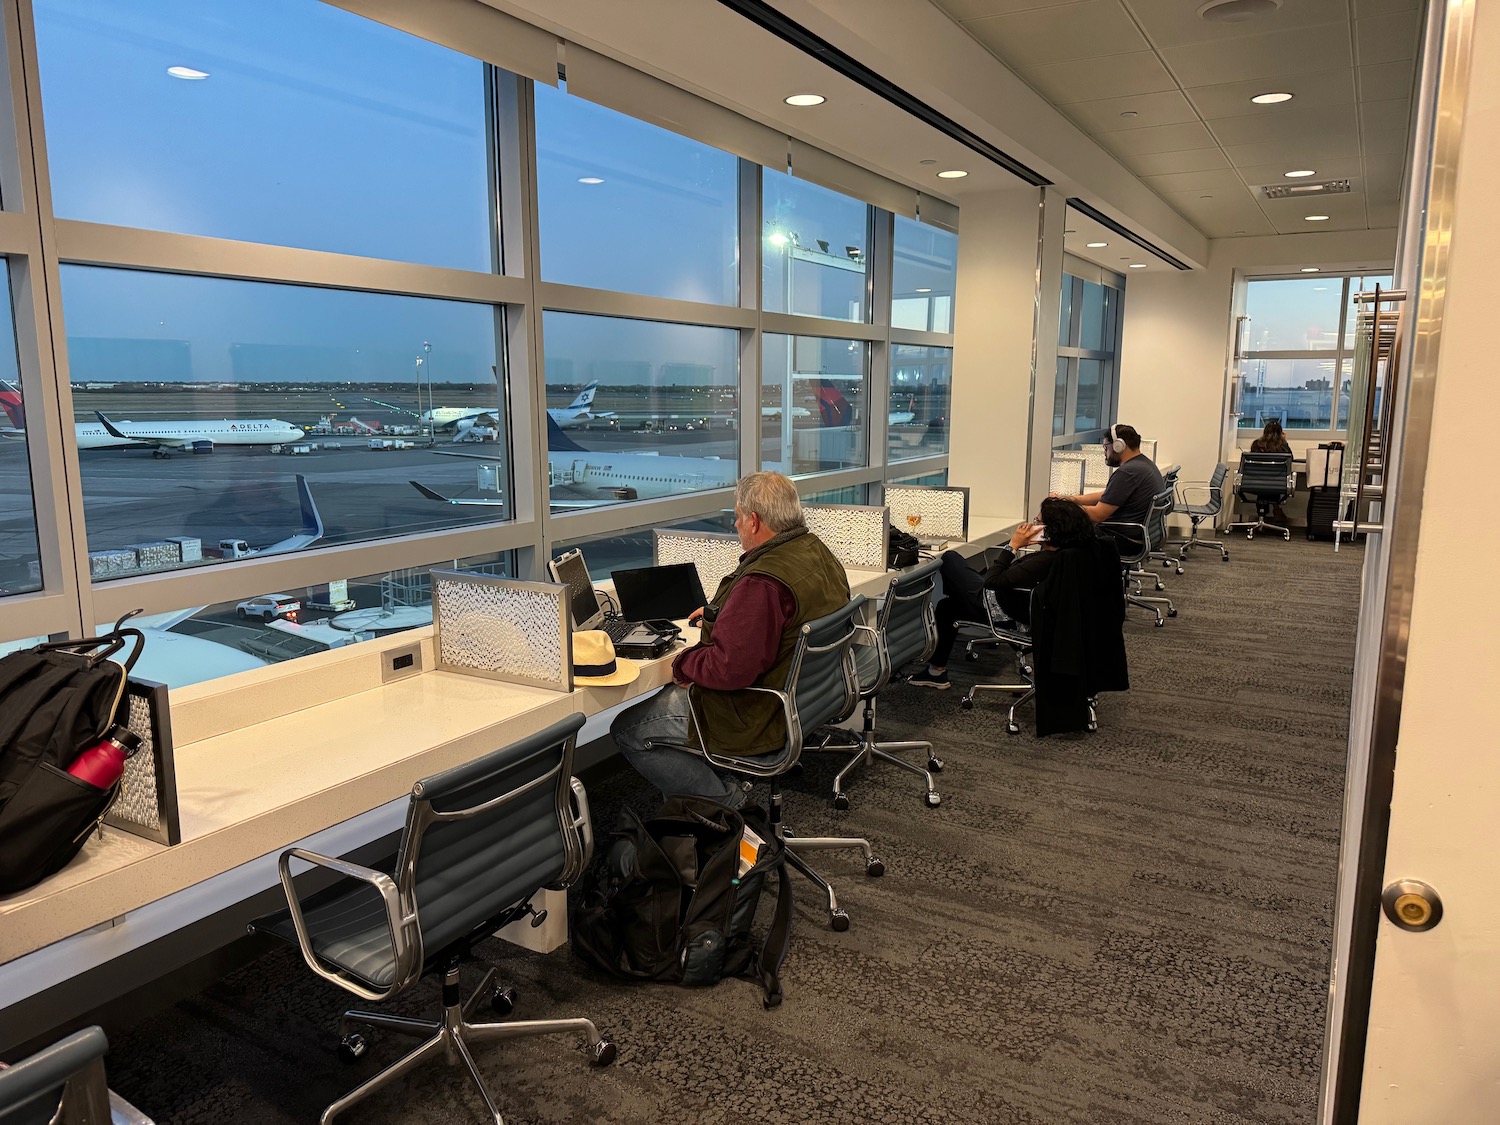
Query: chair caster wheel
{"points": [[934, 800], [935, 765], [503, 1003], [1287, 535], [1179, 570], [841, 801], [352, 1048], [1012, 728], [1171, 613], [1224, 557], [875, 868], [603, 1052], [1161, 623], [972, 657], [839, 920], [1091, 726], [966, 703]]}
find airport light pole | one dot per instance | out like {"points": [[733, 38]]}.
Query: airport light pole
{"points": [[419, 402], [431, 422]]}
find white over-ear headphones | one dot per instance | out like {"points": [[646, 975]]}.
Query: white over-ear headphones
{"points": [[1114, 442]]}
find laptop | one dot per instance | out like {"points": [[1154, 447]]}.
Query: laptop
{"points": [[659, 593], [631, 637]]}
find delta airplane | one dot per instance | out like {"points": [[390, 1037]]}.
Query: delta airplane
{"points": [[579, 412], [164, 436], [608, 478]]}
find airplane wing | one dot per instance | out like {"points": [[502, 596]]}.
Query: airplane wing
{"points": [[155, 443], [433, 494], [393, 406], [470, 456], [312, 524]]}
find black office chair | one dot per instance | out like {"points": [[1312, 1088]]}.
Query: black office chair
{"points": [[1169, 480], [821, 688], [1266, 479], [1137, 541], [1003, 632], [481, 839], [904, 633], [64, 1084], [1200, 501]]}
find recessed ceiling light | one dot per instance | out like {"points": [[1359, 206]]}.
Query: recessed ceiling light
{"points": [[187, 72], [1205, 197], [1235, 11], [1315, 218], [1299, 175], [927, 162], [1129, 113], [1137, 265], [589, 180], [952, 174], [1272, 99], [1097, 245], [1070, 232], [924, 290], [1309, 269], [805, 99]]}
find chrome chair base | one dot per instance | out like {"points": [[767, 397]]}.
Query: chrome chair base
{"points": [[796, 845], [1260, 525], [1194, 540], [451, 1037], [868, 749]]}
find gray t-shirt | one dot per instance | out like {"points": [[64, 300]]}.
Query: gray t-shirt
{"points": [[1131, 488]]}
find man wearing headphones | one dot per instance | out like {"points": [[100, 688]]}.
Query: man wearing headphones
{"points": [[1136, 479]]}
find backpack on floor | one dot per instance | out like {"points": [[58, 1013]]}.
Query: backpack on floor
{"points": [[674, 902], [56, 700]]}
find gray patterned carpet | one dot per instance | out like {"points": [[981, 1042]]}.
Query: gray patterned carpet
{"points": [[1129, 928]]}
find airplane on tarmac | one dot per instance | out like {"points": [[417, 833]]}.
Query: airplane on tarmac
{"points": [[609, 477], [579, 412], [173, 434]]}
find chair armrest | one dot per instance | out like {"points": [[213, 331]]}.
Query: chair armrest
{"points": [[583, 823], [737, 765], [402, 926], [1195, 486], [1131, 534]]}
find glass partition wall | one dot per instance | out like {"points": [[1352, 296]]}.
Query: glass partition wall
{"points": [[306, 305]]}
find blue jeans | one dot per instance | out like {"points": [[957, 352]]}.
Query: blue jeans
{"points": [[665, 717]]}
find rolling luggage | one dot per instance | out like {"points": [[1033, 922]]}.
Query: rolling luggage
{"points": [[1323, 499]]}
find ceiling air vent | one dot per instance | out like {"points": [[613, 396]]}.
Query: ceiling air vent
{"points": [[1299, 191]]}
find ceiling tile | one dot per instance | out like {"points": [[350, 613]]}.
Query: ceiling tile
{"points": [[1115, 76], [1313, 126], [1311, 91], [1345, 212], [1238, 202], [1215, 179], [978, 9], [1384, 176], [1166, 107], [1290, 154], [1086, 30], [1380, 39], [1166, 163], [1380, 81], [1171, 23], [1162, 138], [1302, 50], [1341, 222], [1326, 168], [1363, 8], [1385, 126], [1383, 215]]}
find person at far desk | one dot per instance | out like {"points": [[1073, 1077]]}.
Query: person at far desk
{"points": [[785, 578], [1136, 479], [1273, 440], [1062, 524]]}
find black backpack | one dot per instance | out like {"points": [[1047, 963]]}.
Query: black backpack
{"points": [[56, 700], [670, 905]]}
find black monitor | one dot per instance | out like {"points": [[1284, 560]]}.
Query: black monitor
{"points": [[658, 592], [573, 572]]}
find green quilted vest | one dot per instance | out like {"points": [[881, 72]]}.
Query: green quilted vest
{"points": [[746, 723]]}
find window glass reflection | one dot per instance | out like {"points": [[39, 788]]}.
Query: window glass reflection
{"points": [[925, 275], [921, 387], [625, 205], [200, 403], [638, 409], [1296, 392], [814, 251], [20, 561], [813, 395], [1295, 314], [278, 121]]}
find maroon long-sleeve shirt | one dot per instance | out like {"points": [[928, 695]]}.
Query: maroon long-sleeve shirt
{"points": [[746, 636]]}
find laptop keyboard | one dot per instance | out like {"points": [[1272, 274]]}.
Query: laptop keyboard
{"points": [[617, 628]]}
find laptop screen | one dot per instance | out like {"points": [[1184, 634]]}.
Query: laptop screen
{"points": [[573, 572], [669, 592]]}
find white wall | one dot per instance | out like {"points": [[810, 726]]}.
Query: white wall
{"points": [[1179, 333], [1434, 1038], [994, 318]]}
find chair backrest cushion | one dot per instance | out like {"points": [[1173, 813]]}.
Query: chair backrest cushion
{"points": [[472, 870], [1156, 519], [824, 688], [906, 618], [1265, 472], [1216, 486]]}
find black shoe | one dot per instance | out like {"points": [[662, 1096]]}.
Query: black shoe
{"points": [[936, 680]]}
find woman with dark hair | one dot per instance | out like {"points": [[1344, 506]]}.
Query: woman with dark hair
{"points": [[1271, 440], [1061, 524]]}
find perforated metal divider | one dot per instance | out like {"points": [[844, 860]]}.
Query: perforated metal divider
{"points": [[1095, 467], [1067, 473], [147, 804], [715, 553], [936, 513], [857, 534], [1148, 447], [502, 629]]}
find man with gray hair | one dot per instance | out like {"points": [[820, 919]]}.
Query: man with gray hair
{"points": [[785, 578]]}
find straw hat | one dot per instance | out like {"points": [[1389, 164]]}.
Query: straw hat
{"points": [[594, 662]]}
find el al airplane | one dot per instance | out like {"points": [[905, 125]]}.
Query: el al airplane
{"points": [[579, 412], [611, 477]]}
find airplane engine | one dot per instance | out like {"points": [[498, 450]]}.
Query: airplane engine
{"points": [[203, 447], [624, 492]]}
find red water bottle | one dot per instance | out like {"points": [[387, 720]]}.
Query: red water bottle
{"points": [[102, 765]]}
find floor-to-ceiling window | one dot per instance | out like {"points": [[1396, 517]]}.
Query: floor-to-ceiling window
{"points": [[1085, 386]]}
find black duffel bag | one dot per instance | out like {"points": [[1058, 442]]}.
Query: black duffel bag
{"points": [[56, 700]]}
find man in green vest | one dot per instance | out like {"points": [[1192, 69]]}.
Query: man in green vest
{"points": [[785, 578]]}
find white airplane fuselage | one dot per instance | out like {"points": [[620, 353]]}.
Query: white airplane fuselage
{"points": [[227, 431], [647, 475]]}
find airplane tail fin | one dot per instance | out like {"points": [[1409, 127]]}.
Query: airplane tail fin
{"points": [[109, 427], [431, 494], [559, 442], [585, 397], [10, 402], [833, 408], [312, 521]]}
